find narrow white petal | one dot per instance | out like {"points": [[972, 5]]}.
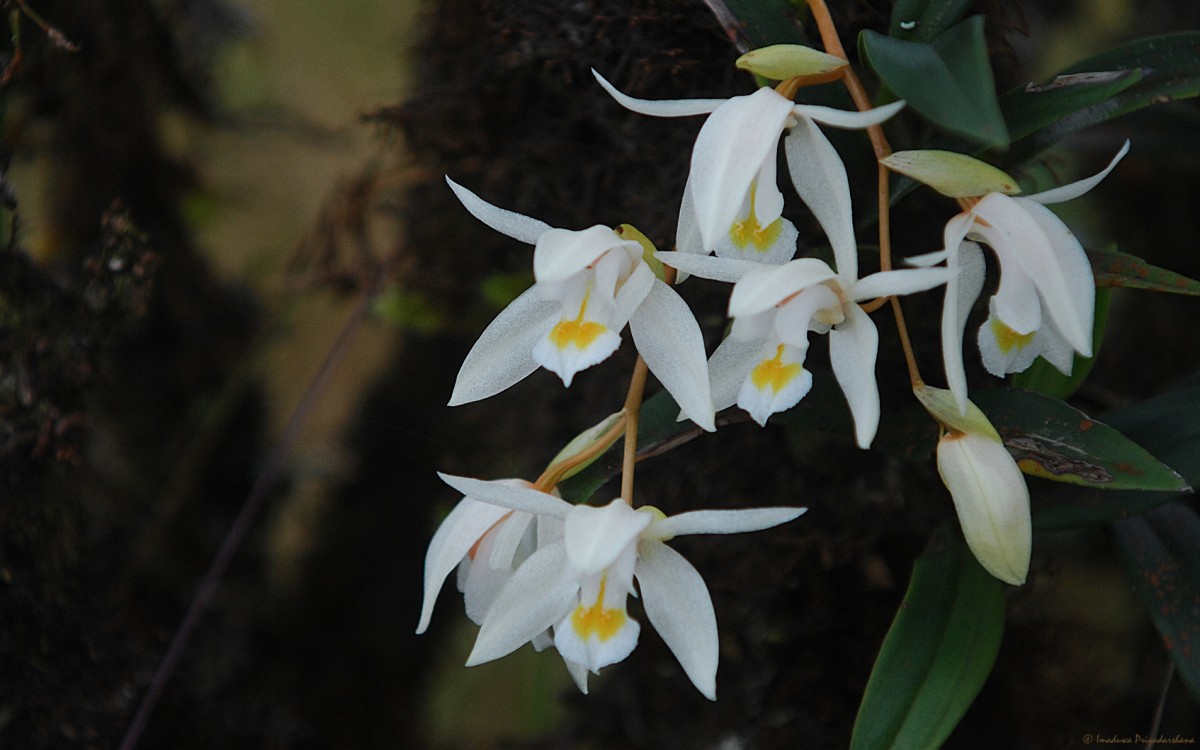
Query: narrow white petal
{"points": [[722, 521], [961, 292], [1076, 189], [669, 339], [509, 536], [841, 118], [1073, 314], [679, 607], [763, 288], [461, 529], [660, 107], [820, 178], [687, 231], [907, 281], [707, 266], [927, 259], [768, 200], [853, 346], [515, 225], [1016, 300], [596, 537], [562, 253], [794, 318], [632, 295], [503, 355], [506, 495], [729, 367], [736, 140], [536, 597], [992, 502]]}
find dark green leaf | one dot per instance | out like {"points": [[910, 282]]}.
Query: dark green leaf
{"points": [[1115, 268], [924, 20], [1033, 107], [1044, 377], [1169, 68], [948, 81], [1168, 426], [1052, 440], [1161, 552], [937, 654], [759, 23]]}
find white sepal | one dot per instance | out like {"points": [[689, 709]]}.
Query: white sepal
{"points": [[763, 288], [596, 537], [669, 339], [1073, 190], [460, 531], [738, 521], [503, 355], [506, 495], [908, 281], [707, 266], [849, 119], [679, 607], [562, 253], [853, 347], [820, 178], [729, 367], [518, 226], [660, 107]]}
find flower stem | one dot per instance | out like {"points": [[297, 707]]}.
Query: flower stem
{"points": [[555, 472], [633, 409], [879, 142]]}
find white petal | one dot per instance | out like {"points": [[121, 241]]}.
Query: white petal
{"points": [[596, 537], [680, 609], [1054, 348], [841, 118], [579, 675], [568, 356], [515, 225], [708, 267], [961, 292], [729, 367], [687, 231], [1076, 189], [508, 538], [928, 259], [768, 200], [503, 355], [820, 178], [660, 107], [1075, 312], [482, 583], [774, 245], [562, 253], [1016, 300], [536, 597], [853, 346], [793, 319], [908, 281], [632, 295], [506, 495], [1002, 349], [721, 521], [594, 638], [992, 502], [776, 383], [461, 529], [736, 140], [763, 288], [669, 339]]}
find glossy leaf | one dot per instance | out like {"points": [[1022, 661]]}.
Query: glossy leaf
{"points": [[1168, 68], [948, 80], [1044, 377], [1161, 552], [1115, 268], [1052, 440], [1036, 106], [924, 20], [937, 654]]}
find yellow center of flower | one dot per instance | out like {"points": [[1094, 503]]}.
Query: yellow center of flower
{"points": [[749, 232], [1008, 339], [579, 333], [596, 620], [773, 373]]}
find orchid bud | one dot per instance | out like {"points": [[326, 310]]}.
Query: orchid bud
{"points": [[779, 62], [952, 174]]}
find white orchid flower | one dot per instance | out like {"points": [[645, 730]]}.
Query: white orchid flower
{"points": [[579, 584], [588, 285], [732, 204], [1045, 302], [989, 491]]}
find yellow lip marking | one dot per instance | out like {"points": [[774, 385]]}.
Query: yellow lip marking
{"points": [[749, 232], [1008, 339], [773, 373], [596, 620], [579, 333]]}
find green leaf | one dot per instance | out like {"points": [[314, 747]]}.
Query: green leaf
{"points": [[924, 20], [1114, 268], [1044, 377], [760, 23], [1161, 552], [1033, 107], [1052, 440], [937, 654], [1167, 68], [948, 80]]}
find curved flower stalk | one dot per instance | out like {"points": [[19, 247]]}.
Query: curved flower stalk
{"points": [[732, 204], [760, 365], [989, 492], [588, 285], [1045, 302], [579, 584]]}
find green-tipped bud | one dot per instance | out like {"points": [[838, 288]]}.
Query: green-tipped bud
{"points": [[780, 62], [942, 406], [630, 232], [587, 440], [955, 175]]}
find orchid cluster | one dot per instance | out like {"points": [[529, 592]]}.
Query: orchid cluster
{"points": [[534, 568]]}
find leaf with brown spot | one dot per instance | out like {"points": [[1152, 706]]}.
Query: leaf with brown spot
{"points": [[1115, 268]]}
